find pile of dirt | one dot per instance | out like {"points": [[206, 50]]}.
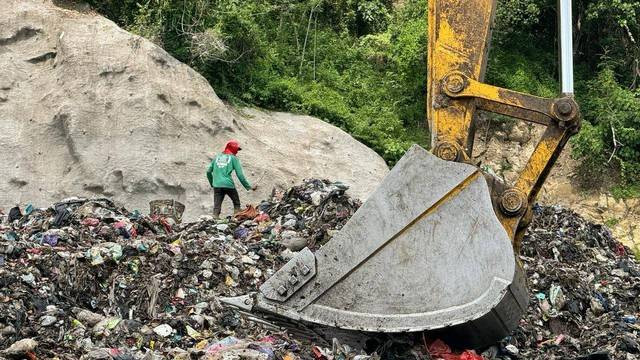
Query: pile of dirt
{"points": [[110, 114]]}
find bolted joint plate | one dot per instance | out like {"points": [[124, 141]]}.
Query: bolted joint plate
{"points": [[291, 277]]}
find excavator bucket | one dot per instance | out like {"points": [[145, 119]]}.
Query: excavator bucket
{"points": [[424, 252], [432, 248]]}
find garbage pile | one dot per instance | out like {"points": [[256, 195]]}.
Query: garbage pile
{"points": [[584, 288], [310, 213], [86, 279]]}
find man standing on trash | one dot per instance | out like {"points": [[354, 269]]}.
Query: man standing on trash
{"points": [[219, 175]]}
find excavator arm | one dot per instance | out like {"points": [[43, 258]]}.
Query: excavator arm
{"points": [[459, 39], [433, 247]]}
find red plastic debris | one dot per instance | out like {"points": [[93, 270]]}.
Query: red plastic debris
{"points": [[269, 339], [620, 250], [165, 224], [90, 222], [114, 352], [318, 354], [248, 213], [440, 350], [262, 217], [470, 355]]}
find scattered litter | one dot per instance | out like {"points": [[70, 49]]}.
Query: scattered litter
{"points": [[87, 279], [163, 330], [592, 306]]}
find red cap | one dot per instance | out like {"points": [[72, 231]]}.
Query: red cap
{"points": [[232, 147]]}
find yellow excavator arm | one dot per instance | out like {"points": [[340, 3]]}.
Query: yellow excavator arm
{"points": [[459, 39], [433, 247]]}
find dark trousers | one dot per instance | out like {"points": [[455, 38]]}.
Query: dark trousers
{"points": [[218, 196]]}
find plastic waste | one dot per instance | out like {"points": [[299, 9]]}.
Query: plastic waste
{"points": [[110, 292]]}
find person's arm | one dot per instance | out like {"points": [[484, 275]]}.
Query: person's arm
{"points": [[210, 173], [238, 168]]}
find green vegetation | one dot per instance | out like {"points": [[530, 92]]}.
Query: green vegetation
{"points": [[360, 64], [612, 222], [611, 133], [625, 191]]}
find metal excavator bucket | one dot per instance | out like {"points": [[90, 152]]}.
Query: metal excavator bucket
{"points": [[431, 249], [424, 252]]}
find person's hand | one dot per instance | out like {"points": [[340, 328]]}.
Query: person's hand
{"points": [[254, 188]]}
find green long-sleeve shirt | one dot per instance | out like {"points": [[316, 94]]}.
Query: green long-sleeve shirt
{"points": [[220, 169]]}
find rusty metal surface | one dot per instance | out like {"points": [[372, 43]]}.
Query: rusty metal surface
{"points": [[548, 112], [518, 113]]}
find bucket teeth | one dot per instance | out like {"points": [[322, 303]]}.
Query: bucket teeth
{"points": [[291, 277]]}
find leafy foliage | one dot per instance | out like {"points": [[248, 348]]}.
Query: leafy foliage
{"points": [[360, 64], [610, 135], [357, 64]]}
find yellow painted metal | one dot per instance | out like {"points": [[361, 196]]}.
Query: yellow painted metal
{"points": [[459, 36], [509, 98], [541, 161]]}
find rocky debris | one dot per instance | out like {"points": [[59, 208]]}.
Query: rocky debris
{"points": [[113, 115], [87, 279]]}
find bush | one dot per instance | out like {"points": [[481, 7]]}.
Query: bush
{"points": [[610, 138]]}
